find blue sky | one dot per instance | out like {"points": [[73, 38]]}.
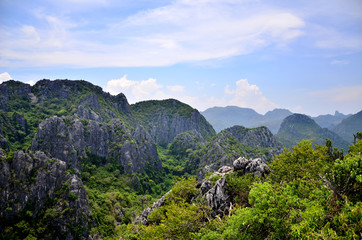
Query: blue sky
{"points": [[303, 55]]}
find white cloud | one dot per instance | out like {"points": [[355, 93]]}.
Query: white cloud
{"points": [[31, 82], [149, 89], [134, 90], [4, 77], [243, 95], [339, 62], [250, 96]]}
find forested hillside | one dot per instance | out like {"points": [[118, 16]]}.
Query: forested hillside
{"points": [[349, 126], [309, 194], [79, 163], [298, 127]]}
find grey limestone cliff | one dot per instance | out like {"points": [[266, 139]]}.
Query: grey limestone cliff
{"points": [[36, 187], [70, 138], [260, 137], [165, 119]]}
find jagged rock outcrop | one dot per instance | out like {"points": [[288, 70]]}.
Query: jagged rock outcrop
{"points": [[32, 185], [217, 198], [255, 166], [165, 119], [134, 149]]}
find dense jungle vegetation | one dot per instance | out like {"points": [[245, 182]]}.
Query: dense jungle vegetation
{"points": [[313, 193]]}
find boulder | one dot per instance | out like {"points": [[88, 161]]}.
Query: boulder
{"points": [[257, 166]]}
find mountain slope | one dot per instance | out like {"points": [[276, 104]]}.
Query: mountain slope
{"points": [[167, 118], [297, 127], [349, 126]]}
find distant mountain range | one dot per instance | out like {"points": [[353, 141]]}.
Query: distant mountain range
{"points": [[329, 121], [338, 127], [225, 117]]}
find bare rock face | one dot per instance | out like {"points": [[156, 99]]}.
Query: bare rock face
{"points": [[217, 199], [205, 187], [260, 137], [254, 166], [69, 138], [32, 183]]}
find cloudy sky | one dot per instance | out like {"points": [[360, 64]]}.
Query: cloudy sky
{"points": [[303, 55]]}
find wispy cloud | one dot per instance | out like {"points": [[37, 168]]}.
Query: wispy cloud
{"points": [[339, 62], [178, 32], [351, 94]]}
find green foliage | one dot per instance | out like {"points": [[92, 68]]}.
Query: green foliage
{"points": [[183, 190], [303, 162], [176, 221], [238, 188], [345, 179], [292, 203]]}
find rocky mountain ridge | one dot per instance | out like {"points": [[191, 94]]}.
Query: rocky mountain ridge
{"points": [[225, 117], [65, 128]]}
